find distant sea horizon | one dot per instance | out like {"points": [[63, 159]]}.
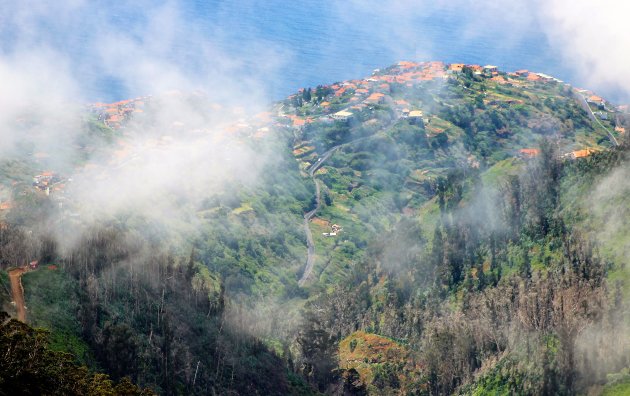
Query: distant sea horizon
{"points": [[322, 47]]}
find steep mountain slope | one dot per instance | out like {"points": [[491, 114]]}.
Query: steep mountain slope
{"points": [[454, 244], [414, 123]]}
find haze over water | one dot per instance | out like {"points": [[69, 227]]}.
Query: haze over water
{"points": [[300, 44]]}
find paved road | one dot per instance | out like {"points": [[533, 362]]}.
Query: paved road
{"points": [[592, 116], [310, 243], [17, 292]]}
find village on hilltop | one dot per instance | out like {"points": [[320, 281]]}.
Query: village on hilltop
{"points": [[342, 101], [338, 102], [115, 114]]}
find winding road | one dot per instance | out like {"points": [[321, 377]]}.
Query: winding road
{"points": [[310, 243]]}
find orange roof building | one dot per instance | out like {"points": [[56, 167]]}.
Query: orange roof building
{"points": [[582, 153], [376, 97], [340, 91], [456, 67], [529, 152], [407, 65]]}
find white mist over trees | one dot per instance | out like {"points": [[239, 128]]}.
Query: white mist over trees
{"points": [[175, 254]]}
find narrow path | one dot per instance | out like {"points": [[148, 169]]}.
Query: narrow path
{"points": [[17, 292]]}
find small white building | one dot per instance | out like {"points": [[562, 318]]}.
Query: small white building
{"points": [[415, 114], [342, 115], [547, 78], [490, 69]]}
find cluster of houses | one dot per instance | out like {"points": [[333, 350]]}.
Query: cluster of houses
{"points": [[335, 229], [375, 90], [409, 73], [492, 72], [592, 99], [578, 154], [529, 153], [488, 70], [48, 182], [603, 109], [114, 114], [535, 77]]}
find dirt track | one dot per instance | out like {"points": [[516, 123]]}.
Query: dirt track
{"points": [[17, 292]]}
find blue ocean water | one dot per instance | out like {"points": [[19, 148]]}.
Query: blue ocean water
{"points": [[292, 44], [326, 44]]}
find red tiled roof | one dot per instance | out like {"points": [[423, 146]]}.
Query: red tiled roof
{"points": [[529, 152]]}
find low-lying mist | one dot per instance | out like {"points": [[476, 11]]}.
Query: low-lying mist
{"points": [[161, 163]]}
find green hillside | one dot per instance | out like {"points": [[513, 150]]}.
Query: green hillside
{"points": [[465, 240]]}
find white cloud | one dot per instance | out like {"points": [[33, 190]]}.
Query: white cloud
{"points": [[593, 37], [160, 51], [172, 169]]}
